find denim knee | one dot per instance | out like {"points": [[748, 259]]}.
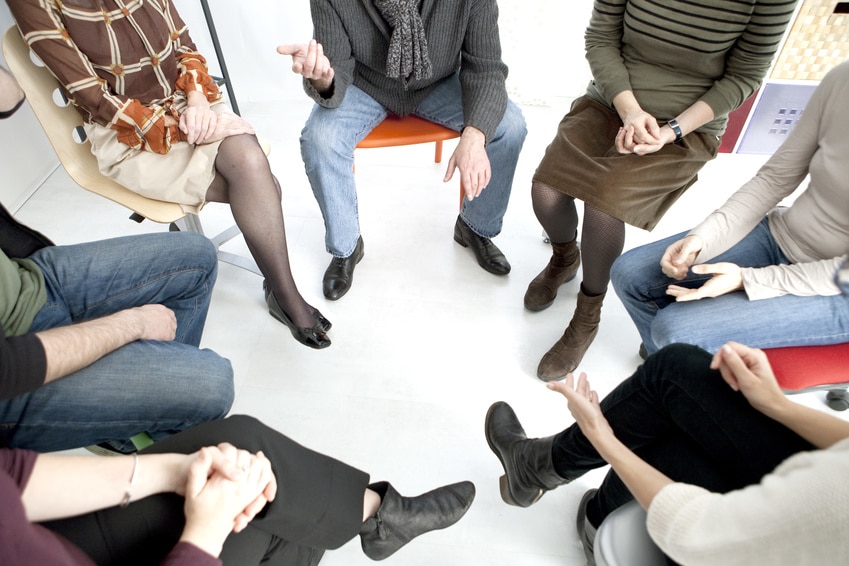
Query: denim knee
{"points": [[513, 129], [214, 390], [321, 141], [197, 249]]}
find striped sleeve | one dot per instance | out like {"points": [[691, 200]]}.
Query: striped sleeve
{"points": [[749, 60]]}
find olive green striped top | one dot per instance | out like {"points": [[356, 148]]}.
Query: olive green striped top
{"points": [[672, 53]]}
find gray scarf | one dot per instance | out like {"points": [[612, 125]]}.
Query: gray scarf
{"points": [[408, 44]]}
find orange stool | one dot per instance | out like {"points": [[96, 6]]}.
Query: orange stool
{"points": [[806, 368], [410, 130]]}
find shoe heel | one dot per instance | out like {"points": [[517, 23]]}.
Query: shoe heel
{"points": [[459, 239], [505, 491]]}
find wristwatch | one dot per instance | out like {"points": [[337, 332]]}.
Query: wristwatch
{"points": [[673, 123]]}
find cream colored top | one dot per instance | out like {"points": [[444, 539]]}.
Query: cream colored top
{"points": [[797, 515], [814, 232]]}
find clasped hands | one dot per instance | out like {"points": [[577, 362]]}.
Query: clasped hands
{"points": [[225, 488], [640, 134], [678, 259]]}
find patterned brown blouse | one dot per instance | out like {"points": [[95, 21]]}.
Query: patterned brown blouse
{"points": [[125, 64]]}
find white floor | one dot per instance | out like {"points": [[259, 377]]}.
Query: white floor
{"points": [[424, 342]]}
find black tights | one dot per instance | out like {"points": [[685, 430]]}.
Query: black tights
{"points": [[244, 180], [602, 235]]}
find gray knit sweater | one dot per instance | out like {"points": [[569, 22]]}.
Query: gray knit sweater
{"points": [[461, 34]]}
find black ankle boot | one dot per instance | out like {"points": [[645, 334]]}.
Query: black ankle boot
{"points": [[528, 468], [401, 519]]}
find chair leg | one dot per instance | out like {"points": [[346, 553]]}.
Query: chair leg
{"points": [[437, 156], [837, 399], [190, 223]]}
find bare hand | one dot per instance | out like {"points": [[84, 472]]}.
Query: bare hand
{"points": [[584, 405], [747, 370], [471, 159], [231, 463], [226, 125], [215, 503], [155, 322], [309, 61], [198, 123], [680, 255], [639, 134], [726, 279]]}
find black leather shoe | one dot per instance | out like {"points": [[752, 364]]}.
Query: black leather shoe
{"points": [[325, 324], [488, 255], [340, 273], [528, 467], [401, 519], [314, 336]]}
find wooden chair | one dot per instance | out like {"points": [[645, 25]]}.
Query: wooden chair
{"points": [[63, 126], [410, 130]]}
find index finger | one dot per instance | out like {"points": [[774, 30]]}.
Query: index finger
{"points": [[290, 49]]}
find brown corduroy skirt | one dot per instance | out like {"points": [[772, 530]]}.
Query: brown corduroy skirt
{"points": [[583, 163]]}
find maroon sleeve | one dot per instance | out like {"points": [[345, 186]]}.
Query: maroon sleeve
{"points": [[187, 554], [23, 542]]}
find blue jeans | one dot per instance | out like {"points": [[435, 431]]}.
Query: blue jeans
{"points": [[788, 320], [330, 136], [145, 386]]}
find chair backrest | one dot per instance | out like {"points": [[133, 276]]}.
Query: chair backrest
{"points": [[61, 122], [623, 540]]}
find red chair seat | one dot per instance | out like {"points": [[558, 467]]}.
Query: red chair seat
{"points": [[807, 367]]}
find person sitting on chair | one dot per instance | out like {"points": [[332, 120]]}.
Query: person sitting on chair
{"points": [[665, 76], [158, 126], [99, 341], [752, 271], [443, 64], [729, 469], [11, 95], [269, 501]]}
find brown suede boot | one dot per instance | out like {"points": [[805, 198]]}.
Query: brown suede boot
{"points": [[561, 268], [568, 352]]}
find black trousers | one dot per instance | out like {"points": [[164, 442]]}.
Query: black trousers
{"points": [[682, 418], [318, 506]]}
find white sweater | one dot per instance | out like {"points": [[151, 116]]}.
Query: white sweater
{"points": [[814, 232], [797, 515]]}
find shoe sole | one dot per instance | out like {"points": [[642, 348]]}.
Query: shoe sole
{"points": [[503, 484]]}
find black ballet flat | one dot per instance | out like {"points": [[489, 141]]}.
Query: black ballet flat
{"points": [[325, 324], [314, 337]]}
